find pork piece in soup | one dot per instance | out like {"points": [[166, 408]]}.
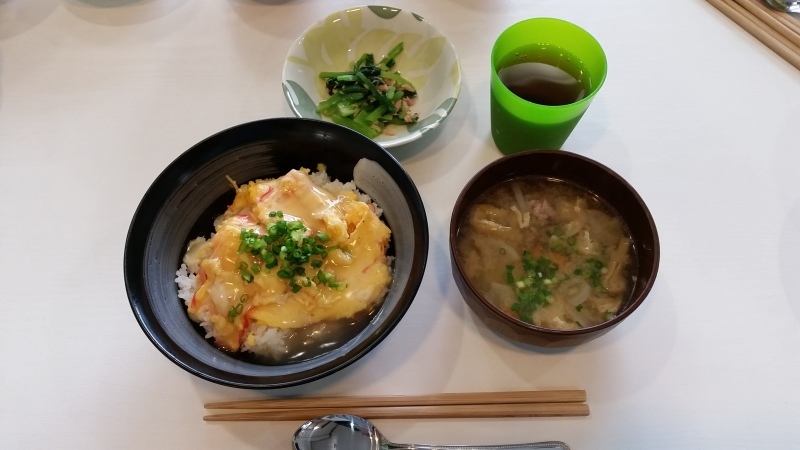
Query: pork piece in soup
{"points": [[548, 253]]}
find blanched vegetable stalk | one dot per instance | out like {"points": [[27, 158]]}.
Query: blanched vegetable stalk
{"points": [[370, 96]]}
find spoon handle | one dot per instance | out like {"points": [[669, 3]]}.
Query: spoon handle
{"points": [[548, 445]]}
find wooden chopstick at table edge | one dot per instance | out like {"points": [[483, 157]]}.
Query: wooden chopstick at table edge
{"points": [[776, 41], [557, 403]]}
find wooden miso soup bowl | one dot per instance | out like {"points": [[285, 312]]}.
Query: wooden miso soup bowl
{"points": [[600, 181]]}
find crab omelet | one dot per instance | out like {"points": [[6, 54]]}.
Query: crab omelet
{"points": [[238, 297]]}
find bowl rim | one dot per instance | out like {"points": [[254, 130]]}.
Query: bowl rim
{"points": [[519, 324], [443, 110], [140, 230]]}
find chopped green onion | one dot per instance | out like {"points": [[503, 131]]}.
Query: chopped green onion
{"points": [[237, 308], [285, 244], [532, 289]]}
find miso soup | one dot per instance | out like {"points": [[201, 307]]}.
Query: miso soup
{"points": [[547, 252]]}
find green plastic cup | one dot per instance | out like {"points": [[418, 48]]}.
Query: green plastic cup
{"points": [[519, 124]]}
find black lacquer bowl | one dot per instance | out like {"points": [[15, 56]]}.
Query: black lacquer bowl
{"points": [[183, 201]]}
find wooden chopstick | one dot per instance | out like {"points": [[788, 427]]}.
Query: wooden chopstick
{"points": [[776, 20], [777, 42], [555, 403], [468, 398], [788, 20], [414, 412]]}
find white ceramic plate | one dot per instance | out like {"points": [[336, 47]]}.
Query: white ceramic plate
{"points": [[334, 43]]}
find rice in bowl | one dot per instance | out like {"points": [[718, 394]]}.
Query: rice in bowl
{"points": [[296, 266]]}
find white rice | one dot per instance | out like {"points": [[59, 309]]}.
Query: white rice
{"points": [[187, 284], [265, 340], [262, 340]]}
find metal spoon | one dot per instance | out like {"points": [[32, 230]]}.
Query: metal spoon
{"points": [[792, 6], [346, 432]]}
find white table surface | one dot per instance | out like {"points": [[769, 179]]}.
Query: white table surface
{"points": [[98, 96]]}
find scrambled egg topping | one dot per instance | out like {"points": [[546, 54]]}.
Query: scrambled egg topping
{"points": [[356, 257]]}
